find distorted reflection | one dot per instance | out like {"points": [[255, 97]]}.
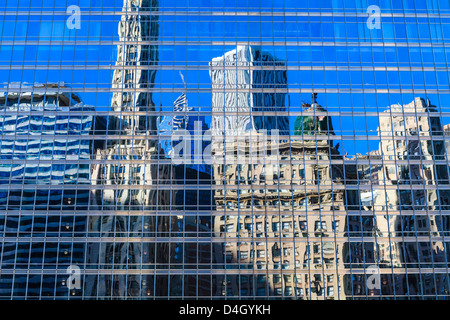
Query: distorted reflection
{"points": [[44, 174], [405, 205], [235, 188], [128, 175]]}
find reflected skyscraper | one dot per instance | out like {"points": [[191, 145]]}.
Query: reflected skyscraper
{"points": [[45, 151], [127, 173]]}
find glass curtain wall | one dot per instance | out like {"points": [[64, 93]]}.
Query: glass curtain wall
{"points": [[212, 149]]}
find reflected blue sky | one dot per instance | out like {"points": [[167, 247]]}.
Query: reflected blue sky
{"points": [[326, 52], [387, 5]]}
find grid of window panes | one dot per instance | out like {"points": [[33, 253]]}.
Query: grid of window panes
{"points": [[213, 149]]}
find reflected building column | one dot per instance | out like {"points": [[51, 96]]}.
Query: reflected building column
{"points": [[131, 180]]}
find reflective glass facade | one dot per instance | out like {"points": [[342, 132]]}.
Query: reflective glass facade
{"points": [[212, 149]]}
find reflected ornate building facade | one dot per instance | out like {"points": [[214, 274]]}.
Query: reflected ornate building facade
{"points": [[282, 212], [407, 207]]}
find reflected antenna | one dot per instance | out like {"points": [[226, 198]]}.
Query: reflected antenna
{"points": [[182, 78]]}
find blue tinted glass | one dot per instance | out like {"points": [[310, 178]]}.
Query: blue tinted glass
{"points": [[224, 149]]}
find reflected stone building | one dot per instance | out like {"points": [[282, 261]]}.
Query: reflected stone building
{"points": [[447, 141], [283, 234], [408, 221], [129, 178]]}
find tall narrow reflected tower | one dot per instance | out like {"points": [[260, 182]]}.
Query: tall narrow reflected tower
{"points": [[134, 74], [130, 180]]}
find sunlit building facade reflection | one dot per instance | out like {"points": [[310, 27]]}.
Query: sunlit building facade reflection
{"points": [[127, 174]]}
